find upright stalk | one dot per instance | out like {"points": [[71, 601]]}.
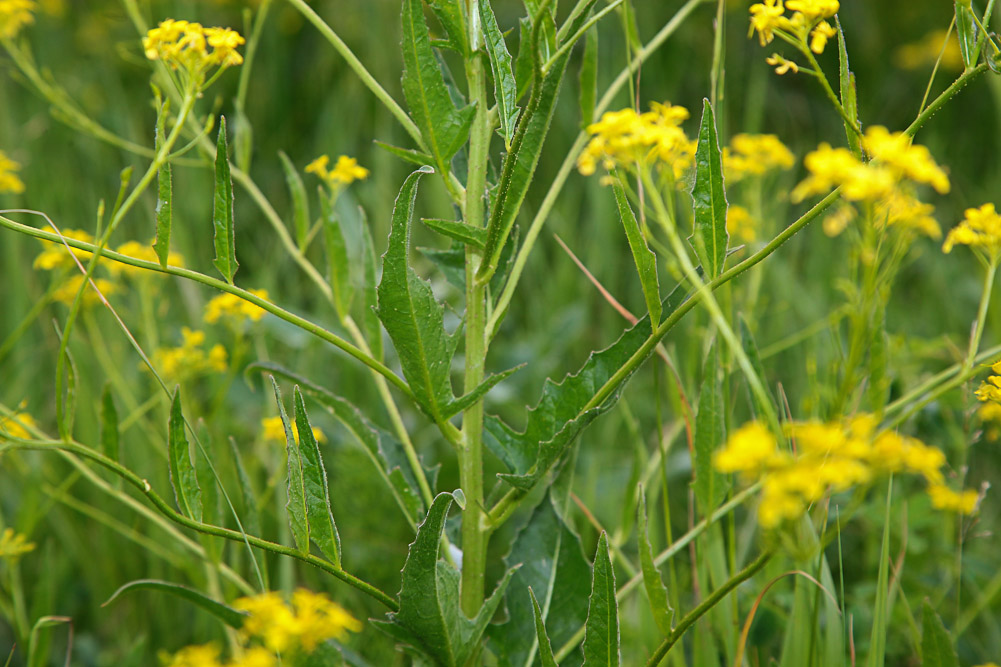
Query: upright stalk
{"points": [[474, 529]]}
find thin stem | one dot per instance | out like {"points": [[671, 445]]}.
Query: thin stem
{"points": [[985, 302], [818, 73], [944, 97], [941, 377]]}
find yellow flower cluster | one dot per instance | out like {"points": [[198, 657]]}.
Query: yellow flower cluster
{"points": [[185, 45], [755, 155], [13, 545], [887, 181], [17, 425], [207, 655], [740, 224], [66, 292], [990, 390], [625, 138], [990, 414], [55, 256], [806, 22], [311, 619], [980, 229], [273, 430], [144, 252], [345, 172], [830, 458], [190, 359], [9, 182], [235, 309], [14, 15]]}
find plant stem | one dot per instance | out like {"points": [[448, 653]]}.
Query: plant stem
{"points": [[985, 302], [944, 97]]}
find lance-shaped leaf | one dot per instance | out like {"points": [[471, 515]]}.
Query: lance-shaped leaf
{"points": [[589, 77], [319, 515], [936, 645], [339, 267], [295, 506], [109, 424], [966, 31], [182, 474], [849, 99], [443, 127], [545, 647], [553, 565], [710, 486], [560, 416], [231, 617], [646, 261], [300, 202], [656, 592], [459, 231], [521, 161], [222, 212], [505, 87], [429, 618], [710, 238], [601, 633], [164, 202], [449, 14], [383, 449]]}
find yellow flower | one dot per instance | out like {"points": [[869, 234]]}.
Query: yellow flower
{"points": [[980, 229], [345, 172], [818, 38], [55, 255], [14, 545], [184, 45], [9, 182], [235, 308], [909, 161], [740, 224], [751, 449], [196, 656], [944, 498], [781, 64], [257, 656], [625, 138], [814, 9], [311, 619], [14, 15], [144, 252], [17, 425], [273, 429], [836, 222], [765, 18], [319, 619], [66, 292], [190, 359], [755, 155]]}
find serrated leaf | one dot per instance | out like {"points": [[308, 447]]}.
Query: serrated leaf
{"points": [[751, 350], [251, 518], [338, 264], [322, 528], [109, 424], [459, 231], [966, 31], [523, 61], [411, 315], [646, 261], [552, 564], [164, 200], [182, 474], [300, 202], [222, 215], [710, 238], [589, 77], [545, 648], [295, 506], [383, 449], [656, 592], [936, 644], [559, 417], [231, 617], [458, 405], [505, 86], [521, 161], [443, 127], [710, 486], [601, 634], [408, 154], [449, 14], [848, 97], [429, 618]]}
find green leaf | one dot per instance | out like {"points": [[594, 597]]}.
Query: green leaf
{"points": [[429, 618], [222, 216], [339, 266], [656, 592], [459, 231], [182, 474], [521, 161], [449, 14], [710, 486], [322, 529], [880, 614], [601, 635], [936, 644], [408, 154], [411, 315], [710, 238], [547, 43], [443, 127], [385, 451], [243, 140], [545, 648], [371, 324], [559, 417], [878, 387], [966, 31], [66, 398], [553, 565], [589, 77], [523, 62], [231, 617], [751, 350], [646, 261], [109, 424], [164, 200], [300, 203], [251, 519], [849, 100], [207, 480], [505, 86], [295, 506]]}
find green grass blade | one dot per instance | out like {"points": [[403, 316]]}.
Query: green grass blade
{"points": [[320, 516], [877, 644], [222, 216], [231, 617], [601, 634], [182, 474], [711, 238], [656, 591], [300, 202]]}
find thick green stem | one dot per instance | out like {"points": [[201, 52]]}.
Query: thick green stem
{"points": [[985, 302]]}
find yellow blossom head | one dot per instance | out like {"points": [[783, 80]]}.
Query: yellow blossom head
{"points": [[755, 155], [234, 309], [16, 425], [273, 430], [345, 172], [312, 618], [980, 229], [14, 15], [740, 224], [625, 138], [66, 292], [190, 359], [9, 182], [206, 655], [55, 256], [188, 46], [144, 252]]}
